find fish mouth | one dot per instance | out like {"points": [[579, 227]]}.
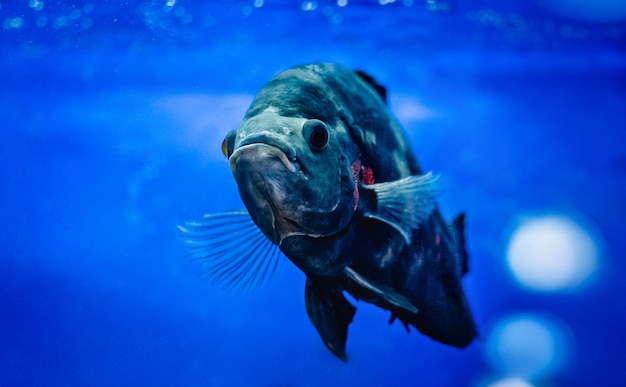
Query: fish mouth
{"points": [[270, 151], [268, 176], [264, 174], [275, 147]]}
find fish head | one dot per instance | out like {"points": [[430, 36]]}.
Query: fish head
{"points": [[290, 174]]}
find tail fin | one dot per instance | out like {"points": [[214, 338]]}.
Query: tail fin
{"points": [[458, 226]]}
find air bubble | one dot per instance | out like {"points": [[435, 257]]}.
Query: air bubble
{"points": [[13, 23], [309, 6], [37, 5]]}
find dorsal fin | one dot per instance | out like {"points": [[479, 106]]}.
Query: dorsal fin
{"points": [[458, 226], [380, 89]]}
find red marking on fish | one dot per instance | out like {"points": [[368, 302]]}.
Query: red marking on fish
{"points": [[367, 175], [356, 169]]}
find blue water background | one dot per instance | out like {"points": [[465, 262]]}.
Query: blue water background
{"points": [[112, 119]]}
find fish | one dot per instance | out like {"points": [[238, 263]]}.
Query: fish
{"points": [[329, 181]]}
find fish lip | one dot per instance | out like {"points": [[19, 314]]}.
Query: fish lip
{"points": [[291, 165], [256, 189], [288, 156], [269, 139]]}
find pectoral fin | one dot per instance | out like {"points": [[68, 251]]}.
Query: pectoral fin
{"points": [[232, 249], [330, 313], [404, 204]]}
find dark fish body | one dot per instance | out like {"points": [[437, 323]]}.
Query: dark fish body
{"points": [[327, 175]]}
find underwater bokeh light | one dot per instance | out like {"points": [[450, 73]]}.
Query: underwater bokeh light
{"points": [[529, 347], [552, 253]]}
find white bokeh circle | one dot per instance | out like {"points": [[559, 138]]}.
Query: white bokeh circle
{"points": [[551, 253]]}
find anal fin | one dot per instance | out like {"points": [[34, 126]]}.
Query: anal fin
{"points": [[330, 313]]}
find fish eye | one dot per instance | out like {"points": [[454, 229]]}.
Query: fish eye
{"points": [[228, 144], [316, 133]]}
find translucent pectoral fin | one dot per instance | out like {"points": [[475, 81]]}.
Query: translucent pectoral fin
{"points": [[330, 313], [232, 249], [404, 204]]}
